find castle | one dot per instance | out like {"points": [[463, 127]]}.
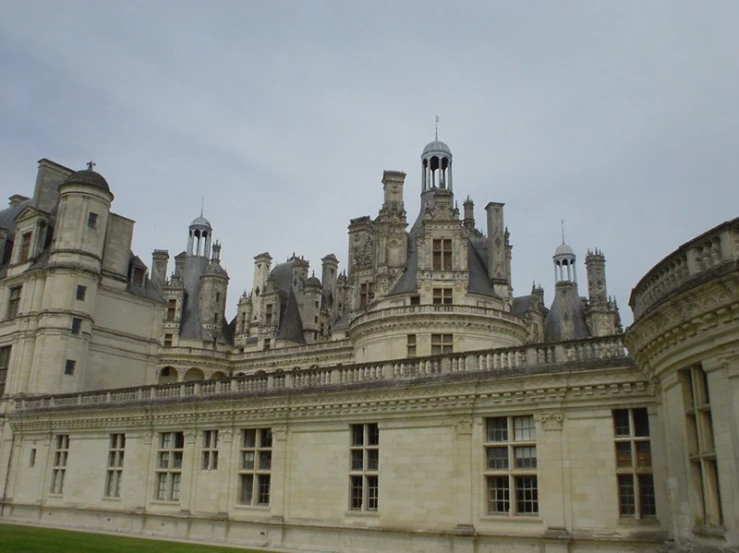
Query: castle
{"points": [[409, 402]]}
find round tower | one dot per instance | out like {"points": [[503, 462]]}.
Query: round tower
{"points": [[70, 291]]}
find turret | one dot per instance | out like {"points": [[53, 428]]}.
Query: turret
{"points": [[262, 264], [212, 301]]}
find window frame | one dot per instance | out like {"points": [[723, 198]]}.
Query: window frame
{"points": [[209, 455], [255, 481], [114, 470], [441, 252], [511, 480], [168, 467], [15, 294], [364, 467], [633, 462], [59, 464], [442, 344]]}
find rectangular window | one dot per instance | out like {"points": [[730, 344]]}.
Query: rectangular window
{"points": [[442, 343], [14, 302], [701, 445], [510, 451], [168, 340], [25, 252], [366, 294], [415, 300], [114, 472], [411, 345], [92, 220], [76, 325], [267, 343], [59, 463], [69, 366], [255, 466], [442, 254], [210, 450], [32, 460], [364, 450], [169, 466], [81, 292], [442, 296], [633, 463], [4, 367], [171, 310]]}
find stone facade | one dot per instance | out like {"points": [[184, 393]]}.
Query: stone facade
{"points": [[409, 403]]}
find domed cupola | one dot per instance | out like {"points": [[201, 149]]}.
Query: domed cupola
{"points": [[198, 242], [436, 166], [87, 177], [564, 263]]}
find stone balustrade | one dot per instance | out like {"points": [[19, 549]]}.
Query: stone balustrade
{"points": [[405, 310], [530, 356], [716, 248]]}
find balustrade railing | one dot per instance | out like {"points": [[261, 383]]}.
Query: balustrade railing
{"points": [[712, 249], [530, 356]]}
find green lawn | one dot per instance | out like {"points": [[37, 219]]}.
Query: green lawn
{"points": [[35, 539]]}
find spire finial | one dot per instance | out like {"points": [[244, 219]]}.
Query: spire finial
{"points": [[202, 204], [563, 231], [436, 134], [90, 165]]}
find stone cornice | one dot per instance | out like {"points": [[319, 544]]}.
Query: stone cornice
{"points": [[708, 307]]}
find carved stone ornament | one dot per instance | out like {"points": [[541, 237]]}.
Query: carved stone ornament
{"points": [[463, 426], [551, 421]]}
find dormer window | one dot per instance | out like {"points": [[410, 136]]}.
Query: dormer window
{"points": [[25, 252], [442, 254], [137, 277]]}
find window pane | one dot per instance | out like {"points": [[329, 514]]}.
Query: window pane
{"points": [[249, 458], [499, 494], [358, 434], [643, 454], [641, 422], [247, 488], [525, 457], [623, 454], [373, 434], [265, 460], [498, 429], [373, 459], [264, 485], [646, 495], [524, 429], [621, 422], [266, 438], [250, 438], [497, 458], [626, 496], [357, 459], [372, 493], [527, 495], [356, 492]]}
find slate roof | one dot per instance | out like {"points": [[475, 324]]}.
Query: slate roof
{"points": [[567, 305], [8, 215], [89, 178]]}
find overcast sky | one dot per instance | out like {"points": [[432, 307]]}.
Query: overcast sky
{"points": [[622, 118]]}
